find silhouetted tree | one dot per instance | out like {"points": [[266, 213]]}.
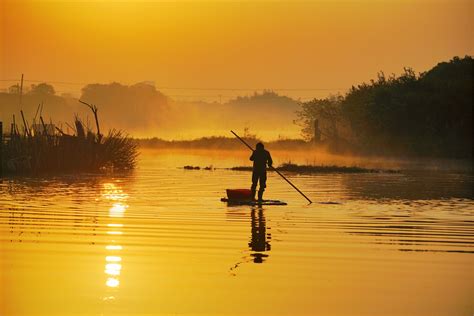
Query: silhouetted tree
{"points": [[42, 89], [14, 89], [327, 111], [135, 106], [429, 114]]}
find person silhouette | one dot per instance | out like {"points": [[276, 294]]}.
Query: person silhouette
{"points": [[260, 158]]}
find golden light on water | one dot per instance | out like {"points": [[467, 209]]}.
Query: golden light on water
{"points": [[112, 192], [114, 232], [112, 282], [373, 254], [113, 266], [114, 225], [117, 210], [113, 247], [113, 259]]}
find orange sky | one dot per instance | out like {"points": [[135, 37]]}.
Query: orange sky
{"points": [[228, 44]]}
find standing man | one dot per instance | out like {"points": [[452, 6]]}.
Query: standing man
{"points": [[260, 158]]}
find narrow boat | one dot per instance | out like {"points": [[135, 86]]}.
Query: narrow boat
{"points": [[253, 202], [245, 197]]}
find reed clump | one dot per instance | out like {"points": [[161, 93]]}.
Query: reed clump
{"points": [[46, 148]]}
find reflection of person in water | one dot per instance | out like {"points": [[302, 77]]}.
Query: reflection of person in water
{"points": [[258, 242], [260, 158]]}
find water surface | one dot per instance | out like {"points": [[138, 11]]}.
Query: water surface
{"points": [[158, 241]]}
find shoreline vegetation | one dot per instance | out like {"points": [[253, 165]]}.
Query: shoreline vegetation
{"points": [[411, 116], [303, 169], [417, 115], [45, 148], [426, 115]]}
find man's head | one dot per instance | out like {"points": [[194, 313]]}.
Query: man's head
{"points": [[259, 146]]}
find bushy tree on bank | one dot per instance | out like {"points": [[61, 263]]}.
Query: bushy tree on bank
{"points": [[429, 114]]}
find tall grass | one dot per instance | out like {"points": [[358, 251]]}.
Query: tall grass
{"points": [[53, 151]]}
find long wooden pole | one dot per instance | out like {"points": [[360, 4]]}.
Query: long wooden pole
{"points": [[1, 148], [273, 168]]}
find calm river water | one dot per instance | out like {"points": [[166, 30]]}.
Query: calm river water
{"points": [[158, 241]]}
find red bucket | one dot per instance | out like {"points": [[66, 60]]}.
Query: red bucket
{"points": [[239, 194]]}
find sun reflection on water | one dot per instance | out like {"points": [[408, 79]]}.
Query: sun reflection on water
{"points": [[113, 260], [114, 232], [112, 282], [113, 247], [112, 192], [114, 225], [117, 210]]}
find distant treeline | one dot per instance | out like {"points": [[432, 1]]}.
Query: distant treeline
{"points": [[222, 143], [142, 109], [429, 114]]}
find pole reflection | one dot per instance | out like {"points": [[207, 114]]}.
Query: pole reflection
{"points": [[113, 260]]}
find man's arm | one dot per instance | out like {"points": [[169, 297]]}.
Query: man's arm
{"points": [[269, 159], [252, 157]]}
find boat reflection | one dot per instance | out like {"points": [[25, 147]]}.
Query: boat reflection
{"points": [[260, 235]]}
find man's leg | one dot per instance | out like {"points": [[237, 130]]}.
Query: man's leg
{"points": [[253, 188], [263, 185]]}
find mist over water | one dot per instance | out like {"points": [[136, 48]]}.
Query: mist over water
{"points": [[144, 111], [159, 241]]}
